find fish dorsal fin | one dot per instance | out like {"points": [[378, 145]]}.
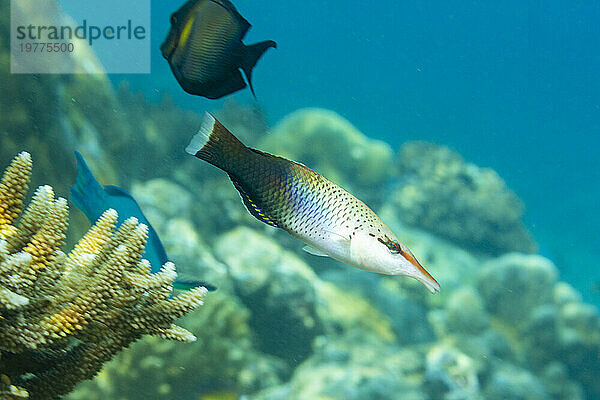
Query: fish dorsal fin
{"points": [[251, 204], [228, 5], [314, 252], [272, 156]]}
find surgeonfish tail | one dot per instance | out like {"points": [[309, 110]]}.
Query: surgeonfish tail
{"points": [[216, 145], [251, 56]]}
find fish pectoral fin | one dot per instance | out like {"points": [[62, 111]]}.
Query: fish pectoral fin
{"points": [[250, 204], [339, 238], [314, 252]]}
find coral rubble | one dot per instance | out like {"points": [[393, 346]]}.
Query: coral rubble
{"points": [[63, 315]]}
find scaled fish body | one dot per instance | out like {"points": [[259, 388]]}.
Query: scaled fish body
{"points": [[205, 50], [288, 195]]}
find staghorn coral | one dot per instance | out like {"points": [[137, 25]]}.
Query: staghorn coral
{"points": [[223, 358], [63, 315]]}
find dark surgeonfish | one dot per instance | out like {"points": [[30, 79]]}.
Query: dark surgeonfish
{"points": [[205, 50], [93, 199], [289, 195]]}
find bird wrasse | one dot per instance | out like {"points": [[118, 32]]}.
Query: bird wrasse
{"points": [[205, 51], [288, 195]]}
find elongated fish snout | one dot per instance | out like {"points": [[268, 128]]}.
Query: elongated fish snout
{"points": [[428, 281], [421, 273]]}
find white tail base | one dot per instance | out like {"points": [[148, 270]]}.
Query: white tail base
{"points": [[201, 138]]}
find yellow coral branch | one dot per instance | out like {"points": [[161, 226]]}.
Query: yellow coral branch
{"points": [[13, 187], [102, 293]]}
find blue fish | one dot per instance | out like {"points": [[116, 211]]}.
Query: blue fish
{"points": [[93, 199]]}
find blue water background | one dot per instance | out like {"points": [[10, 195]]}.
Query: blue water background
{"points": [[511, 85]]}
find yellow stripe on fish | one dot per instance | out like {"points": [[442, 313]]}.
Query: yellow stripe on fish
{"points": [[186, 32], [293, 197]]}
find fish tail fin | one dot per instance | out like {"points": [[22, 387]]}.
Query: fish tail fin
{"points": [[215, 144], [86, 191], [251, 56]]}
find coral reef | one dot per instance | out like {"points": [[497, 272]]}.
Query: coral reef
{"points": [[313, 328], [333, 338], [515, 284], [287, 326], [441, 192], [544, 320], [355, 367], [63, 315], [275, 286], [332, 146], [280, 326], [222, 358], [528, 332]]}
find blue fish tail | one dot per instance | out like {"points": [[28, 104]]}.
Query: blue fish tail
{"points": [[87, 194]]}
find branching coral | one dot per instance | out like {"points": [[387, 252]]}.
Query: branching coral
{"points": [[63, 315]]}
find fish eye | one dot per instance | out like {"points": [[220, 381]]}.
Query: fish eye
{"points": [[393, 246], [173, 19]]}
